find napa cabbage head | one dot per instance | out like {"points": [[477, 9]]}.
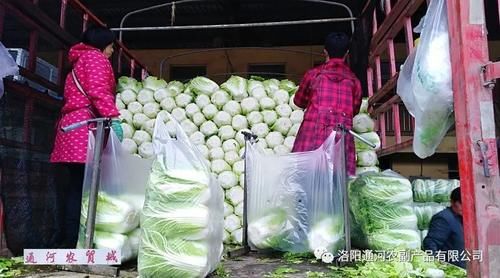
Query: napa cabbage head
{"points": [[153, 83], [237, 87], [370, 137], [112, 215], [327, 232], [106, 240], [287, 85], [392, 239], [362, 123], [177, 258], [270, 230], [175, 87], [128, 83], [202, 85], [271, 85]]}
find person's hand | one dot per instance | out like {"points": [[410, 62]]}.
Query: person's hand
{"points": [[117, 128]]}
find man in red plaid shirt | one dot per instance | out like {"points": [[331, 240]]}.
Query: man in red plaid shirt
{"points": [[331, 95]]}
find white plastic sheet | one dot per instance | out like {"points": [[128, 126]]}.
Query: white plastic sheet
{"points": [[295, 200], [122, 188], [425, 82], [8, 66], [182, 222]]}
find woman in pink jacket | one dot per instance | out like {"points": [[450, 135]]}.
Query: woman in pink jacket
{"points": [[89, 92]]}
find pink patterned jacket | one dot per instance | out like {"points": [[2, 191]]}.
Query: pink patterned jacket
{"points": [[96, 76]]}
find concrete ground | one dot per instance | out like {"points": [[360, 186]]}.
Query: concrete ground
{"points": [[252, 265]]}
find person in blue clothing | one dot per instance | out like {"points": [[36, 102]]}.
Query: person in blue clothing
{"points": [[446, 231]]}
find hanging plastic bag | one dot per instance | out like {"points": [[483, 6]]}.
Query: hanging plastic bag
{"points": [[425, 83], [9, 66], [182, 222], [295, 200], [122, 188]]}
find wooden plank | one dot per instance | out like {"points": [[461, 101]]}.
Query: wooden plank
{"points": [[386, 106], [385, 91], [238, 252], [395, 148]]}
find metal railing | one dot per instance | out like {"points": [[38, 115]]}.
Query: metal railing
{"points": [[385, 104], [44, 28]]}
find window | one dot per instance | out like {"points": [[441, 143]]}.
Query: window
{"points": [[267, 70], [184, 73]]}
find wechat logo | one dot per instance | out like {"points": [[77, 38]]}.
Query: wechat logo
{"points": [[322, 254]]}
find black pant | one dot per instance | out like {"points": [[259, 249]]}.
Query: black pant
{"points": [[69, 179]]}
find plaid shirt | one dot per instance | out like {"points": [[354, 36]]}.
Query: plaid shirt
{"points": [[331, 95]]}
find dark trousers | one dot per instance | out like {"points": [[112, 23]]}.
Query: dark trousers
{"points": [[69, 179]]}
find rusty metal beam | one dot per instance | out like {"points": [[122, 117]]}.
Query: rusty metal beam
{"points": [[392, 25], [475, 129]]}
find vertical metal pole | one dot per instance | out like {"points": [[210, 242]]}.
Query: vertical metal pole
{"points": [[28, 113], [85, 21], [345, 195], [382, 129], [60, 67], [120, 57], [132, 67], [378, 69], [62, 19], [33, 51], [409, 35], [369, 80], [94, 186], [60, 54], [475, 126], [245, 198]]}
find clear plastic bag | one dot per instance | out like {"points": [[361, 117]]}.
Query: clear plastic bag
{"points": [[425, 82], [9, 66], [122, 188], [295, 200], [182, 222], [438, 191]]}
